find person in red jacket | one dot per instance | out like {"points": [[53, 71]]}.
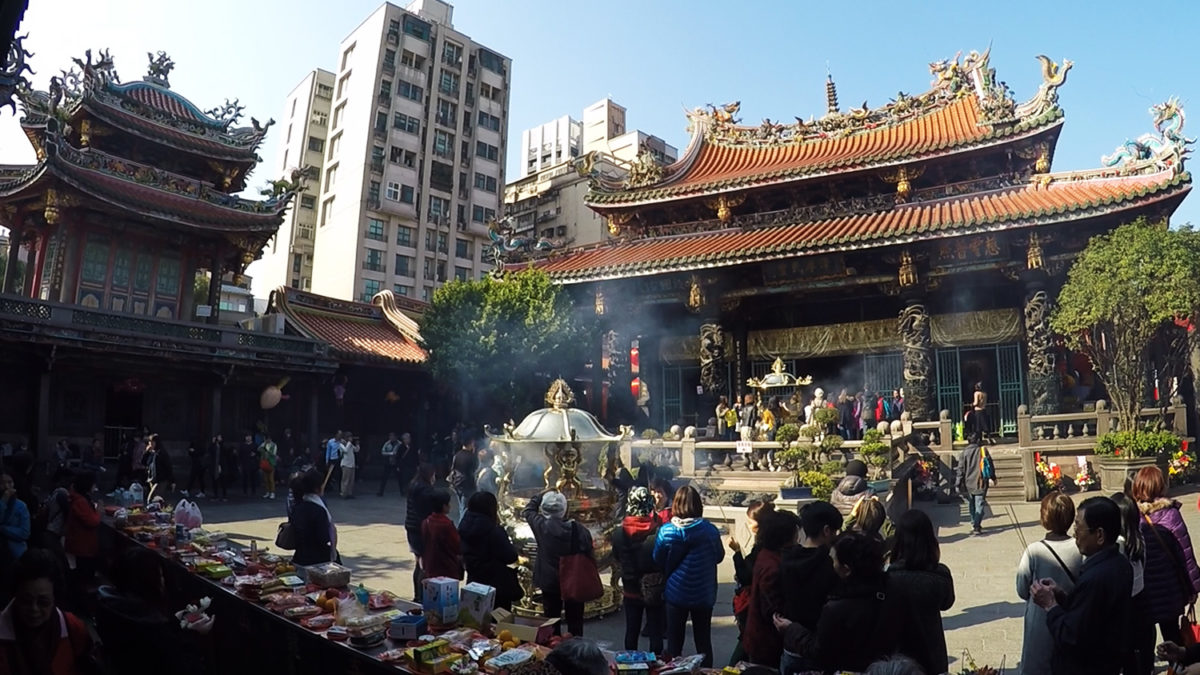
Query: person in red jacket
{"points": [[441, 550], [35, 635], [81, 540], [762, 642]]}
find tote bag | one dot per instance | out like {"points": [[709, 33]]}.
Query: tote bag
{"points": [[578, 578]]}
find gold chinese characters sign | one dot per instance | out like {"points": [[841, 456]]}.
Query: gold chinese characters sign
{"points": [[968, 250]]}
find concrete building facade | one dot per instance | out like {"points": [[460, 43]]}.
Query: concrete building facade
{"points": [[413, 162], [547, 201]]}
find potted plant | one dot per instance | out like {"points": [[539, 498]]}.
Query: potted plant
{"points": [[786, 434], [825, 419], [831, 444], [878, 456], [806, 484], [1085, 480], [1121, 454], [1181, 466], [1049, 474]]}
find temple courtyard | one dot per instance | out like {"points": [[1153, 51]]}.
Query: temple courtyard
{"points": [[986, 618]]}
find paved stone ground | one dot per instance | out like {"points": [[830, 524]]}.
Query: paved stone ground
{"points": [[986, 617]]}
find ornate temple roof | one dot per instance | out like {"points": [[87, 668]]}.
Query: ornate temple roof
{"points": [[378, 332], [1049, 198], [966, 108], [148, 108]]}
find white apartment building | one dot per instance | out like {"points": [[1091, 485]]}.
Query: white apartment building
{"points": [[413, 161], [547, 201], [288, 259]]}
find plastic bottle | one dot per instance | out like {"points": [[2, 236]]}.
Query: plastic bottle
{"points": [[362, 595], [136, 494]]}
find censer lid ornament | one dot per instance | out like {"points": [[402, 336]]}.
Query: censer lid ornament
{"points": [[558, 422], [778, 378]]}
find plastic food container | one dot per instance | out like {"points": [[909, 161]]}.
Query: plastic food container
{"points": [[328, 575]]}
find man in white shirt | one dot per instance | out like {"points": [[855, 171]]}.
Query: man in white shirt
{"points": [[349, 463]]}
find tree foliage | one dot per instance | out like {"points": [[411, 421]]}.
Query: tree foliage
{"points": [[18, 274], [501, 338], [1129, 305]]}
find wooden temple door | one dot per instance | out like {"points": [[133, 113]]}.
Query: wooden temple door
{"points": [[1010, 375], [948, 390]]}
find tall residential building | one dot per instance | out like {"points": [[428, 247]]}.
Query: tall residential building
{"points": [[547, 200], [414, 162], [288, 259]]}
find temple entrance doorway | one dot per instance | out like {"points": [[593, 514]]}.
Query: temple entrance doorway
{"points": [[998, 368]]}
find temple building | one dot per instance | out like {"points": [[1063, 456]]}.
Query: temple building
{"points": [[132, 195], [916, 246]]}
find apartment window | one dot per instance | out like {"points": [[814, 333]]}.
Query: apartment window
{"points": [[489, 121], [297, 262], [405, 236], [492, 62], [389, 58], [320, 119], [374, 260], [335, 146], [385, 90], [406, 266], [487, 151], [408, 194], [406, 123], [402, 290], [441, 270], [447, 113], [427, 270], [482, 215], [441, 176], [426, 292], [440, 237], [330, 178], [316, 144], [438, 208], [304, 232], [343, 83], [411, 91], [449, 83], [337, 115], [485, 182], [393, 191], [373, 197], [308, 202], [371, 288], [410, 159], [326, 209], [412, 60], [462, 273], [462, 248], [443, 144], [381, 122], [324, 91], [346, 56], [452, 54], [415, 27], [491, 93]]}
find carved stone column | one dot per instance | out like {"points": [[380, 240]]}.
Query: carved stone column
{"points": [[1039, 341], [917, 344], [712, 357]]}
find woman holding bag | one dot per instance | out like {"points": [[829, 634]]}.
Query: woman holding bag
{"points": [[1171, 574], [689, 549], [487, 550], [557, 537]]}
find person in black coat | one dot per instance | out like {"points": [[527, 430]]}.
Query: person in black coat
{"points": [[312, 525], [807, 574], [1087, 625], [859, 623], [417, 509], [487, 550], [633, 546], [924, 587]]}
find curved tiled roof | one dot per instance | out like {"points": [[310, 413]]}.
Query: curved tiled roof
{"points": [[715, 168], [160, 98], [355, 330], [1065, 197], [172, 137]]}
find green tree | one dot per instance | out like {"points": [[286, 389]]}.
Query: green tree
{"points": [[1128, 305], [500, 339], [18, 274], [200, 290]]}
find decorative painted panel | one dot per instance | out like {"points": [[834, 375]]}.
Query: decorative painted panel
{"points": [[167, 284], [141, 275], [121, 264], [95, 260]]}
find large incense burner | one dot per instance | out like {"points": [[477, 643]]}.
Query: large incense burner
{"points": [[565, 449]]}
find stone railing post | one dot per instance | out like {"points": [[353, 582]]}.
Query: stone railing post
{"points": [[945, 432], [1025, 442], [625, 452], [1024, 426], [687, 448], [1178, 416], [1103, 418]]}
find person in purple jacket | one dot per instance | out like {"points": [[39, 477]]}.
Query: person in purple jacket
{"points": [[1172, 577]]}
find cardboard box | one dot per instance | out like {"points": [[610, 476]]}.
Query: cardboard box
{"points": [[408, 627], [440, 600], [525, 630], [476, 602]]}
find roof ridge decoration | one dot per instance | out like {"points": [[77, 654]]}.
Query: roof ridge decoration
{"points": [[12, 77], [96, 81], [1150, 152], [508, 246], [386, 301]]}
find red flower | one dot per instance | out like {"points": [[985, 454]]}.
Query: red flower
{"points": [[1116, 453]]}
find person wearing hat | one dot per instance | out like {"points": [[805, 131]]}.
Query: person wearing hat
{"points": [[556, 536], [852, 489], [633, 546]]}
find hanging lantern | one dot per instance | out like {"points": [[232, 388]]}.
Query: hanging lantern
{"points": [[633, 360], [635, 386], [270, 397]]}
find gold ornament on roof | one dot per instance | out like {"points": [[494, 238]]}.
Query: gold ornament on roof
{"points": [[908, 270], [559, 396], [616, 221], [778, 377], [1042, 163], [724, 205], [645, 170], [903, 178], [1033, 255], [695, 299]]}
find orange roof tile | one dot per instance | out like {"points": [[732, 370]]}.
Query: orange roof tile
{"points": [[717, 167], [1066, 197], [352, 329]]}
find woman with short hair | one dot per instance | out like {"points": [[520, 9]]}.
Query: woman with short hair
{"points": [[923, 587], [1172, 577], [36, 636], [776, 530], [1054, 557], [689, 550], [487, 550], [312, 524]]}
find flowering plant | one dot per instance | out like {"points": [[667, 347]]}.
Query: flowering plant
{"points": [[1085, 480], [969, 667], [1182, 462], [1049, 473], [925, 475]]}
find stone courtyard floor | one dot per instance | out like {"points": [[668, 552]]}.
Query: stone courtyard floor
{"points": [[986, 618]]}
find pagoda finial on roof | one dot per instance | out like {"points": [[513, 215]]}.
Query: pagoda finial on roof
{"points": [[160, 68], [831, 99]]}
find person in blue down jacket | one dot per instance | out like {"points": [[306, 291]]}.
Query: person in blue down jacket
{"points": [[689, 549]]}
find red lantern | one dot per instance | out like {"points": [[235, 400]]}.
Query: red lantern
{"points": [[633, 361], [635, 386]]}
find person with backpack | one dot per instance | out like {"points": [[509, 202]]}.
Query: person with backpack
{"points": [[976, 473], [641, 579]]}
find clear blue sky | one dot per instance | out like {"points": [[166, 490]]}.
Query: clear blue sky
{"points": [[656, 57]]}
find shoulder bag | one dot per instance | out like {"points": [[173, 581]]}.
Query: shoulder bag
{"points": [[1060, 562], [578, 577], [1188, 629]]}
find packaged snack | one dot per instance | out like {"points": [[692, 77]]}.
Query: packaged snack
{"points": [[319, 622], [440, 600], [301, 612]]}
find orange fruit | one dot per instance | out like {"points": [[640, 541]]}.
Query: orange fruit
{"points": [[505, 636]]}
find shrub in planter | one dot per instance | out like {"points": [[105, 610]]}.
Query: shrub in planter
{"points": [[786, 434], [832, 468], [876, 453], [1129, 444], [822, 485], [802, 457], [831, 444], [823, 418], [809, 431], [650, 434]]}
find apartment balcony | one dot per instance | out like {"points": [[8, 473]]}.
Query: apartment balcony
{"points": [[380, 132], [452, 62], [369, 267], [450, 121], [373, 203], [393, 37], [384, 99], [376, 165], [414, 75], [389, 68]]}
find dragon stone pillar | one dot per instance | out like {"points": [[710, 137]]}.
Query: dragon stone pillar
{"points": [[712, 357], [1039, 344], [913, 328]]}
